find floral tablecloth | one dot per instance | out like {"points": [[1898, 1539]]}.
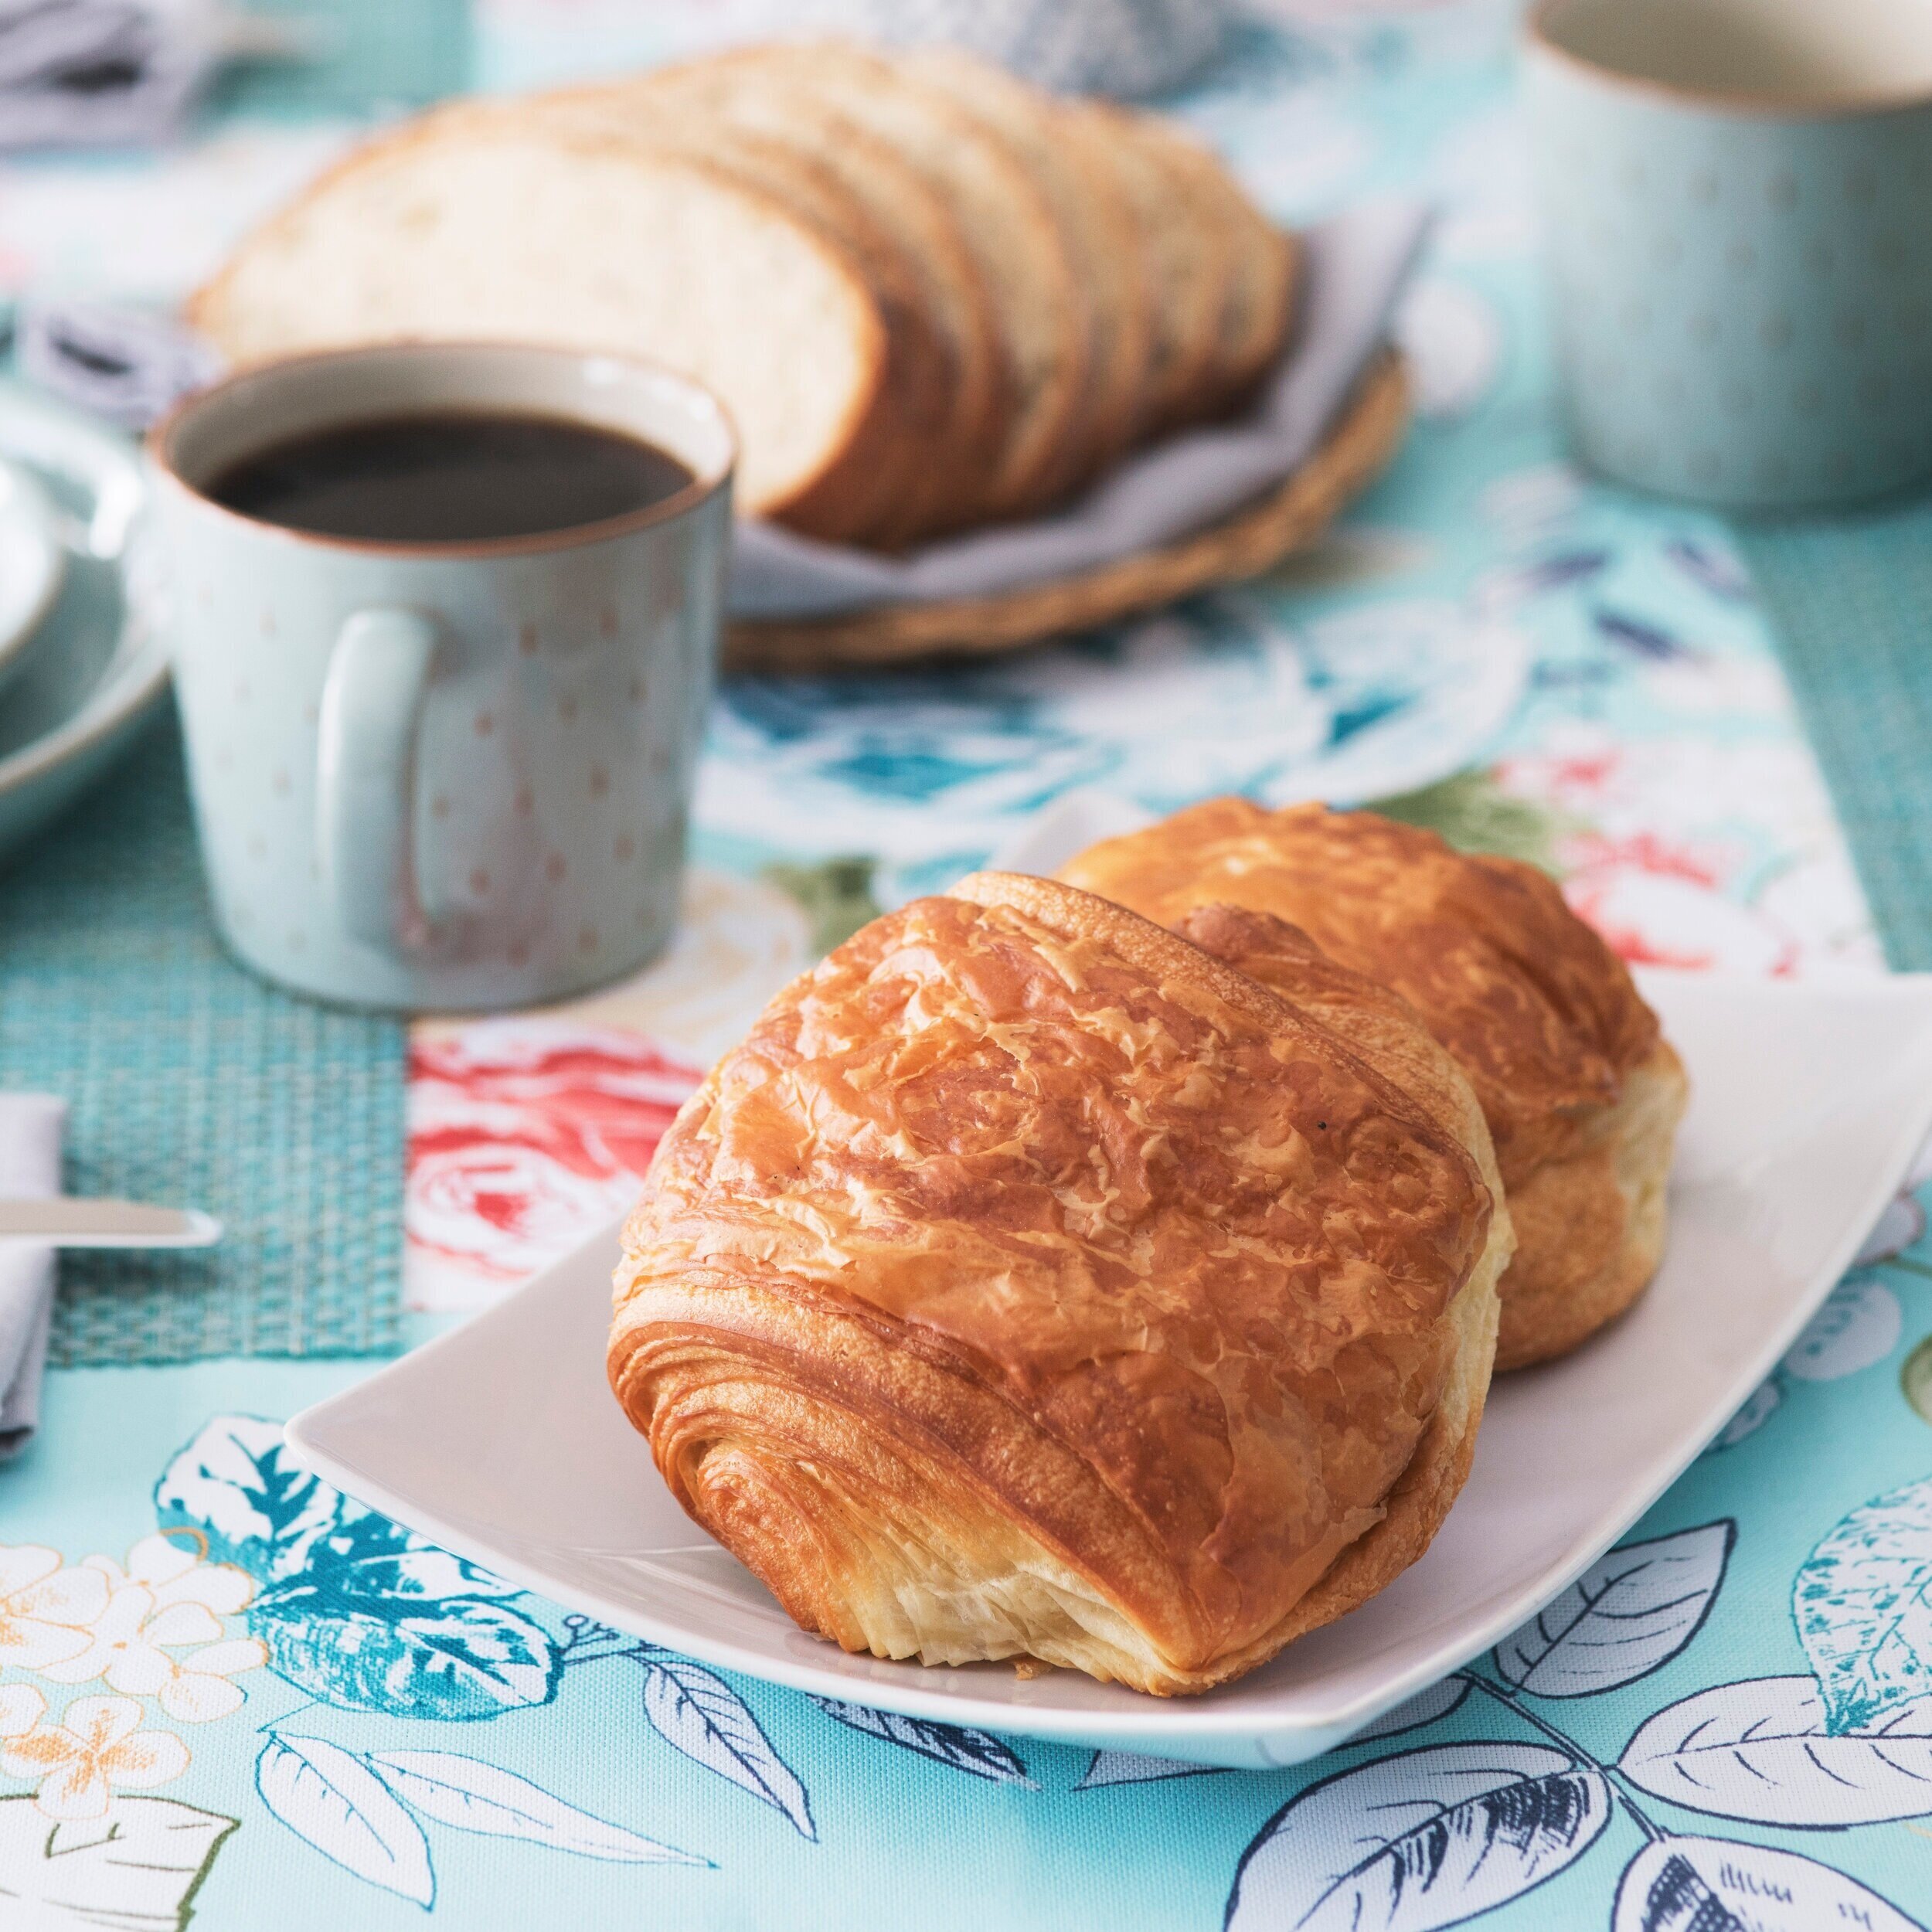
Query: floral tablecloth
{"points": [[230, 1695]]}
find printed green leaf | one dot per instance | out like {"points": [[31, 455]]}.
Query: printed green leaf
{"points": [[138, 1868]]}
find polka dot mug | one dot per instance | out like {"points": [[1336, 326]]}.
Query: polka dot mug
{"points": [[447, 775], [1736, 198]]}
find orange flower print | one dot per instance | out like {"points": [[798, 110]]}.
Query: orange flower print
{"points": [[176, 1574], [22, 1707], [126, 1645], [198, 1688], [98, 1744], [44, 1609]]}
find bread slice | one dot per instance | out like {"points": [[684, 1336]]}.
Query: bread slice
{"points": [[918, 378], [1008, 225], [1073, 167], [1175, 191], [463, 226], [1258, 304], [903, 203]]}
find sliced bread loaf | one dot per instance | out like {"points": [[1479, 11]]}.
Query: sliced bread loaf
{"points": [[469, 227]]}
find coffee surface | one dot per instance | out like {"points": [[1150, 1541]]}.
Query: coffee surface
{"points": [[453, 478]]}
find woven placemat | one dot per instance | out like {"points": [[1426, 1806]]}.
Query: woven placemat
{"points": [[1357, 447], [193, 1084], [1850, 602]]}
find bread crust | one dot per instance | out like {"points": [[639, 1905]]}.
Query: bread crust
{"points": [[1178, 194], [1581, 1095], [986, 1303]]}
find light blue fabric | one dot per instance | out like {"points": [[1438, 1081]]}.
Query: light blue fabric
{"points": [[410, 1732], [1781, 1584], [1851, 598]]}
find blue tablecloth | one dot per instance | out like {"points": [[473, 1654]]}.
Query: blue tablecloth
{"points": [[227, 1693]]}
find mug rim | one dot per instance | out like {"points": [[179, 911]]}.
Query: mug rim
{"points": [[158, 443], [1537, 38]]}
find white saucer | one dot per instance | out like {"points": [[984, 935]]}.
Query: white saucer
{"points": [[501, 1440], [85, 678], [33, 561]]}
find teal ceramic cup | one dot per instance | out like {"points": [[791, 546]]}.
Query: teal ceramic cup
{"points": [[442, 775], [1736, 198]]}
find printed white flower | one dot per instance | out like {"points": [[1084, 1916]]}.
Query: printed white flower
{"points": [[175, 1574], [198, 1689], [126, 1644], [97, 1745], [44, 1609]]}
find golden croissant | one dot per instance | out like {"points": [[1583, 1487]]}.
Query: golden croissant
{"points": [[1033, 1284], [1582, 1092]]}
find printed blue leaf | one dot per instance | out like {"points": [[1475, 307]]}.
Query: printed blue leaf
{"points": [[1862, 1602], [461, 1659], [1715, 570], [1133, 1767], [1501, 591], [1422, 1839], [1642, 640], [1760, 1405], [475, 1797], [1715, 1885], [1761, 1751], [978, 1753], [1628, 1615], [236, 1484], [1857, 1328], [330, 1798], [358, 1534], [1424, 1708], [697, 1713], [418, 1575]]}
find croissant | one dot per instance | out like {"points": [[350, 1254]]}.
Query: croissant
{"points": [[1582, 1092], [1030, 1283]]}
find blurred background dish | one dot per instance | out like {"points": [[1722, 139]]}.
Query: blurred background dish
{"points": [[33, 562], [1733, 196], [1128, 47], [87, 678]]}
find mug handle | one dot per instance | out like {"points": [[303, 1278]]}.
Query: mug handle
{"points": [[372, 699]]}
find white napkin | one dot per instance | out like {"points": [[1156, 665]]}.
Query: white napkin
{"points": [[1356, 267], [31, 1128], [86, 74]]}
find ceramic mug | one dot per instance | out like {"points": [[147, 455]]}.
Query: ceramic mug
{"points": [[444, 775], [1734, 197]]}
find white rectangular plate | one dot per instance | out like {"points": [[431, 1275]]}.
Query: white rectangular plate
{"points": [[501, 1440]]}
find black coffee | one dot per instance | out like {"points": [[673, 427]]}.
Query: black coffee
{"points": [[462, 477]]}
